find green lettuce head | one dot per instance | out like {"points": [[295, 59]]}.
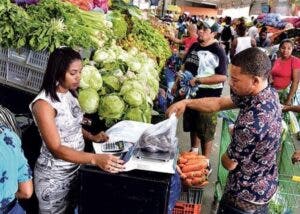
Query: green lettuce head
{"points": [[88, 100], [90, 78], [111, 107]]}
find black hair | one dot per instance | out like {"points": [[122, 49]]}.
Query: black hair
{"points": [[286, 41], [228, 20], [241, 29], [253, 61], [255, 22], [58, 64]]}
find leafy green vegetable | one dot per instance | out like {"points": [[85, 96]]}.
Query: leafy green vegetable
{"points": [[90, 78], [134, 114], [14, 25], [134, 97], [111, 107], [88, 100]]}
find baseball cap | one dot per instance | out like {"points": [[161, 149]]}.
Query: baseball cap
{"points": [[211, 24]]}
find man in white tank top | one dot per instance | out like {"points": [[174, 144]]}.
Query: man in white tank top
{"points": [[241, 42]]}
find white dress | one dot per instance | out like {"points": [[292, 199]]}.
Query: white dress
{"points": [[242, 44], [55, 180]]}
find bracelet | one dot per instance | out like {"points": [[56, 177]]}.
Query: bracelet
{"points": [[198, 81]]}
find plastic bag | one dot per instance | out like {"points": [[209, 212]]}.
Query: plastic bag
{"points": [[160, 137]]}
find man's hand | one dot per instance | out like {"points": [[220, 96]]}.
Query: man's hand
{"points": [[296, 156], [177, 108], [228, 163], [193, 82]]}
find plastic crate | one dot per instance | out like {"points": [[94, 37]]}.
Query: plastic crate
{"points": [[192, 195], [20, 76], [3, 69], [3, 53], [186, 208], [18, 55], [38, 59]]}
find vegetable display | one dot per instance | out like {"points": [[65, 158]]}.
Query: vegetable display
{"points": [[193, 169], [128, 53]]}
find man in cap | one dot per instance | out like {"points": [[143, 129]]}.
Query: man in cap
{"points": [[206, 61]]}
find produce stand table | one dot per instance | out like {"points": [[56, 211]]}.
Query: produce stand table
{"points": [[127, 192]]}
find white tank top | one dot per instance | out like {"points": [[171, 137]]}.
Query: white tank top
{"points": [[243, 43], [68, 122]]}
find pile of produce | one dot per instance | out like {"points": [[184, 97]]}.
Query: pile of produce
{"points": [[140, 34], [51, 24], [193, 169], [125, 81]]}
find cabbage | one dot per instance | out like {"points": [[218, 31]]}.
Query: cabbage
{"points": [[134, 97], [112, 82], [88, 100], [134, 65], [90, 78], [130, 84], [111, 107], [100, 56], [134, 114]]}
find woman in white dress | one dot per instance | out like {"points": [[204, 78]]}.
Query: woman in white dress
{"points": [[58, 116]]}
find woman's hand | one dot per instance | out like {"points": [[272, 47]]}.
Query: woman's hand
{"points": [[108, 163], [100, 137]]}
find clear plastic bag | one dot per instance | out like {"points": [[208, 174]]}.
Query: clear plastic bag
{"points": [[160, 137]]}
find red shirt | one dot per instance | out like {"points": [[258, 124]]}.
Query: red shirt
{"points": [[282, 72], [188, 43]]}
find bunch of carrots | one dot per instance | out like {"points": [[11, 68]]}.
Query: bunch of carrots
{"points": [[193, 169]]}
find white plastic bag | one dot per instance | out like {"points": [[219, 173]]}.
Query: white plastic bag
{"points": [[160, 137]]}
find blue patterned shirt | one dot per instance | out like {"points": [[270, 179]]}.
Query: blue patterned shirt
{"points": [[255, 142], [14, 168]]}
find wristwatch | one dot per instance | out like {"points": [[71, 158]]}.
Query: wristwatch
{"points": [[198, 80]]}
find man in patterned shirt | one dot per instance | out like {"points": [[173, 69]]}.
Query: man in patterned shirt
{"points": [[251, 155], [15, 174]]}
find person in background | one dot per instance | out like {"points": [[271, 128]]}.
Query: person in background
{"points": [[173, 65], [253, 30], [58, 116], [262, 40], [206, 65], [226, 35], [15, 173], [241, 42], [188, 41], [256, 134], [285, 72]]}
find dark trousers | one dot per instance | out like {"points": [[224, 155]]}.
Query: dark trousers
{"points": [[226, 207]]}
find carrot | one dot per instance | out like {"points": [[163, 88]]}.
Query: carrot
{"points": [[198, 180], [182, 160], [195, 173], [191, 168], [193, 161]]}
